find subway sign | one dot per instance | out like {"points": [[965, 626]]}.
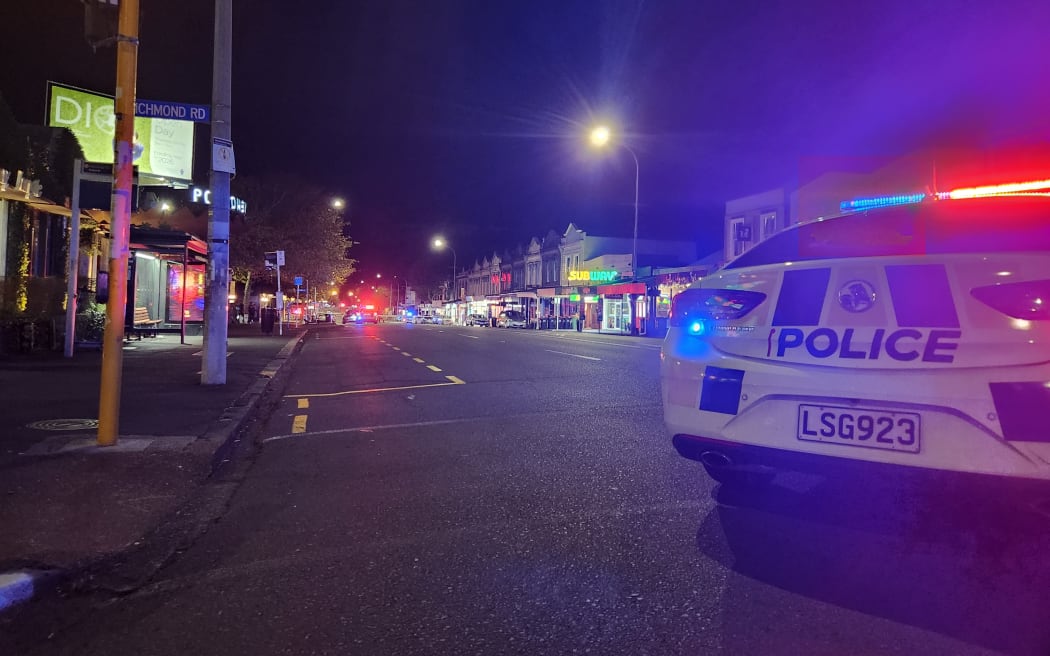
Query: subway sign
{"points": [[599, 275]]}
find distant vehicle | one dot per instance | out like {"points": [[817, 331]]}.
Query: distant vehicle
{"points": [[477, 320], [914, 335], [510, 319], [353, 316]]}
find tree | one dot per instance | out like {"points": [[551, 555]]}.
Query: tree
{"points": [[296, 217]]}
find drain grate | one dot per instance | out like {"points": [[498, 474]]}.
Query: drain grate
{"points": [[64, 424]]}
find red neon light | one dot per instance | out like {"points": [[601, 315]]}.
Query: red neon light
{"points": [[997, 190]]}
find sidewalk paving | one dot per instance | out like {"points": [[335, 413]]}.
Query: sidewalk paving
{"points": [[65, 503]]}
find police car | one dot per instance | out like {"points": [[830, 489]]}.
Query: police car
{"points": [[914, 335]]}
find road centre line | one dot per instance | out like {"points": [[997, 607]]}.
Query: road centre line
{"points": [[433, 368], [573, 355], [406, 354], [419, 360], [396, 348], [372, 390], [458, 381]]}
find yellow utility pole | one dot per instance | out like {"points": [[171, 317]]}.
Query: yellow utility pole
{"points": [[120, 223]]}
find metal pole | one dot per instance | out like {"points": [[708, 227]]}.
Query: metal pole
{"points": [[280, 304], [634, 242], [120, 223], [73, 265], [182, 305], [216, 298]]}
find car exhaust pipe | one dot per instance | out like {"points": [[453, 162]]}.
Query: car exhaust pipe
{"points": [[715, 459]]}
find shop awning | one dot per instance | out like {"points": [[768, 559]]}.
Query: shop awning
{"points": [[623, 288]]}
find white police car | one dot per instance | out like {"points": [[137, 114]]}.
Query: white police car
{"points": [[916, 335]]}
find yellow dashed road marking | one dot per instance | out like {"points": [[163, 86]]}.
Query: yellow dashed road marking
{"points": [[432, 367], [406, 353], [299, 424], [304, 403], [419, 360], [395, 348], [457, 381]]}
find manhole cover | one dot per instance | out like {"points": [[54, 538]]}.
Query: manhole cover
{"points": [[64, 424]]}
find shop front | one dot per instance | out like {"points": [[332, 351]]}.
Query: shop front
{"points": [[625, 308]]}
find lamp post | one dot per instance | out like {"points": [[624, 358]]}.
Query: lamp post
{"points": [[440, 243], [601, 136]]}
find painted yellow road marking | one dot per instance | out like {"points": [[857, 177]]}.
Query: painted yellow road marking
{"points": [[369, 391], [395, 348], [419, 360], [432, 368], [455, 380], [304, 403], [299, 424], [406, 353]]}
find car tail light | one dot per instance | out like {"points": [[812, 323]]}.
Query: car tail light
{"points": [[1021, 300], [694, 309]]}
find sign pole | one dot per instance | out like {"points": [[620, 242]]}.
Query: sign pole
{"points": [[73, 266], [216, 299], [123, 172]]}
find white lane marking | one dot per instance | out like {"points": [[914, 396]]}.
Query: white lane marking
{"points": [[370, 429], [469, 336], [366, 391], [573, 355], [419, 360], [652, 347], [433, 368]]}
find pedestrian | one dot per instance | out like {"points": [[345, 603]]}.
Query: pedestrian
{"points": [[579, 322]]}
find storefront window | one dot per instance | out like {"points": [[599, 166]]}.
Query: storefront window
{"points": [[148, 284], [194, 305]]}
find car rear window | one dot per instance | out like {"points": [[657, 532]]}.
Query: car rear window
{"points": [[955, 226]]}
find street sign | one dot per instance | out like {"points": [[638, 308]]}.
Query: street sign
{"points": [[280, 258], [173, 110], [222, 158], [298, 281]]}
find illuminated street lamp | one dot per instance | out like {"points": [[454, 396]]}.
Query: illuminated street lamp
{"points": [[338, 203], [601, 137], [440, 243]]}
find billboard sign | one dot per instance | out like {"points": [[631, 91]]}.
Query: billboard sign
{"points": [[163, 148]]}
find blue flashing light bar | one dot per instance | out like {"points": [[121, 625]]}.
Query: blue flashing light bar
{"points": [[860, 204]]}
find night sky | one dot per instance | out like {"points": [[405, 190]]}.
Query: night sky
{"points": [[467, 117]]}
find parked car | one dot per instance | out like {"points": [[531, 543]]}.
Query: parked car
{"points": [[914, 335], [477, 320], [510, 319]]}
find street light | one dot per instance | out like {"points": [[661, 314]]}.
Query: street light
{"points": [[338, 203], [600, 137], [441, 243]]}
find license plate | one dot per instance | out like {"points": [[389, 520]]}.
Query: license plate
{"points": [[873, 429]]}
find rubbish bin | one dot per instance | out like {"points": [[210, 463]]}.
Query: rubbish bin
{"points": [[267, 320]]}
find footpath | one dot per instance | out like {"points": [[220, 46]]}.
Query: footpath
{"points": [[67, 506]]}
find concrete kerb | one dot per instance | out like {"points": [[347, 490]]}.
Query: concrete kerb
{"points": [[218, 440]]}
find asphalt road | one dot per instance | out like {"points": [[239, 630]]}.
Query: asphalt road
{"points": [[446, 490]]}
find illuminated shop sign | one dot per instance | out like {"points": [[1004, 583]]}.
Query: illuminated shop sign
{"points": [[162, 147], [500, 278], [593, 276], [199, 195]]}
